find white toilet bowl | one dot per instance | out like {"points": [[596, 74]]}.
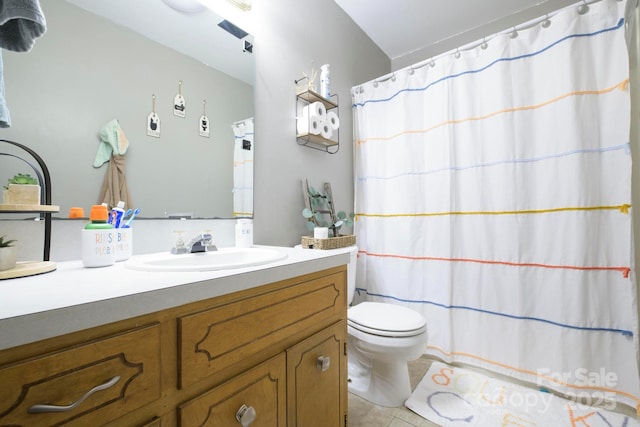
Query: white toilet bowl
{"points": [[382, 338]]}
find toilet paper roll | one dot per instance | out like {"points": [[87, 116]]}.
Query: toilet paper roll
{"points": [[308, 125], [333, 120], [325, 130], [315, 109]]}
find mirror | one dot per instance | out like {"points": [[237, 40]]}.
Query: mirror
{"points": [[88, 70]]}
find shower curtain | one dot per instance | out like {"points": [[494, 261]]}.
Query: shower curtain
{"points": [[243, 168], [493, 195]]}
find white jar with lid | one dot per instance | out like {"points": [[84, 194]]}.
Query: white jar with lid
{"points": [[244, 233]]}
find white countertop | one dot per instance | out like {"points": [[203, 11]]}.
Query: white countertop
{"points": [[73, 298]]}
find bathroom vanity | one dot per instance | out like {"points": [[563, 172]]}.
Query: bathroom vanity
{"points": [[112, 346]]}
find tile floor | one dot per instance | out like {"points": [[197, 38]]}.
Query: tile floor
{"points": [[365, 414]]}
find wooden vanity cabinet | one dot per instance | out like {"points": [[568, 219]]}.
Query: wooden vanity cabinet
{"points": [[278, 349]]}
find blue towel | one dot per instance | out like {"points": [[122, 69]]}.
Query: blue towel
{"points": [[5, 118], [21, 23]]}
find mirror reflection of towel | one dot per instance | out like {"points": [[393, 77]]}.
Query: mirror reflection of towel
{"points": [[114, 187], [5, 118], [21, 23]]}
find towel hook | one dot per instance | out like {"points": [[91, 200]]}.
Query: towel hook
{"points": [[179, 87], [204, 107], [153, 103]]}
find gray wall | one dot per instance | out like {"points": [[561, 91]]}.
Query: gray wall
{"points": [[292, 36]]}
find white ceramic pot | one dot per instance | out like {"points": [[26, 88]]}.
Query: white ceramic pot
{"points": [[8, 257]]}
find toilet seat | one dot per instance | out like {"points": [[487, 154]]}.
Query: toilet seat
{"points": [[386, 320]]}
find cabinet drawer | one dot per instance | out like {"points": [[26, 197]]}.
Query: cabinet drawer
{"points": [[97, 382], [215, 339], [263, 389]]}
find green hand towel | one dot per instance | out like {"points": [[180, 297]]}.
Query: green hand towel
{"points": [[112, 141]]}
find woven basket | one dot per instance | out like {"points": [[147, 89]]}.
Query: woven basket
{"points": [[328, 243]]}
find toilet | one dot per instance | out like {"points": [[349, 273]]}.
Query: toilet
{"points": [[382, 338]]}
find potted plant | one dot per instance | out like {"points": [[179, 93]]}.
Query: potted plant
{"points": [[22, 189], [320, 211], [7, 254]]}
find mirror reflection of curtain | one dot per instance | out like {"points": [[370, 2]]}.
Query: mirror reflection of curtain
{"points": [[243, 168]]}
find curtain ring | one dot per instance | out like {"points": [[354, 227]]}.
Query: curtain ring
{"points": [[547, 22], [583, 8], [484, 44], [393, 77], [514, 33], [432, 63], [457, 54], [375, 83], [411, 71]]}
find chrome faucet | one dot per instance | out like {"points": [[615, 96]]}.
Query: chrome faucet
{"points": [[203, 242]]}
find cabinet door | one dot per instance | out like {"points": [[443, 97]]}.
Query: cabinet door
{"points": [[261, 389], [317, 379], [90, 384]]}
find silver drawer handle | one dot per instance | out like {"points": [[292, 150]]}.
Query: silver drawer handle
{"points": [[40, 408], [246, 415]]}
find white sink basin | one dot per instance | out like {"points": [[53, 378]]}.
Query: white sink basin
{"points": [[222, 259]]}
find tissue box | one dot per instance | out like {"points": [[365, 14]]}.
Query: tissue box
{"points": [[21, 194]]}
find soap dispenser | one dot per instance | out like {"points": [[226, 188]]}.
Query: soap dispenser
{"points": [[97, 239], [325, 81]]}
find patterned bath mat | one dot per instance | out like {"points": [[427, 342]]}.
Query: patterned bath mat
{"points": [[452, 397]]}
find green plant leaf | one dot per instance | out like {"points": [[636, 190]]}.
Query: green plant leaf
{"points": [[306, 212], [5, 243], [310, 225], [341, 215]]}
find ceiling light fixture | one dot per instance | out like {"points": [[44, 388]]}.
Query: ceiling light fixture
{"points": [[186, 6], [235, 11]]}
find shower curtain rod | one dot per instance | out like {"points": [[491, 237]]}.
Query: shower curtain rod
{"points": [[545, 21]]}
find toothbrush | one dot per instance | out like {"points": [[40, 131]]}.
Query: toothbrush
{"points": [[128, 223]]}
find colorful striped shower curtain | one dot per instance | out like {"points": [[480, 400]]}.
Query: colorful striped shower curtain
{"points": [[243, 168], [493, 193]]}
